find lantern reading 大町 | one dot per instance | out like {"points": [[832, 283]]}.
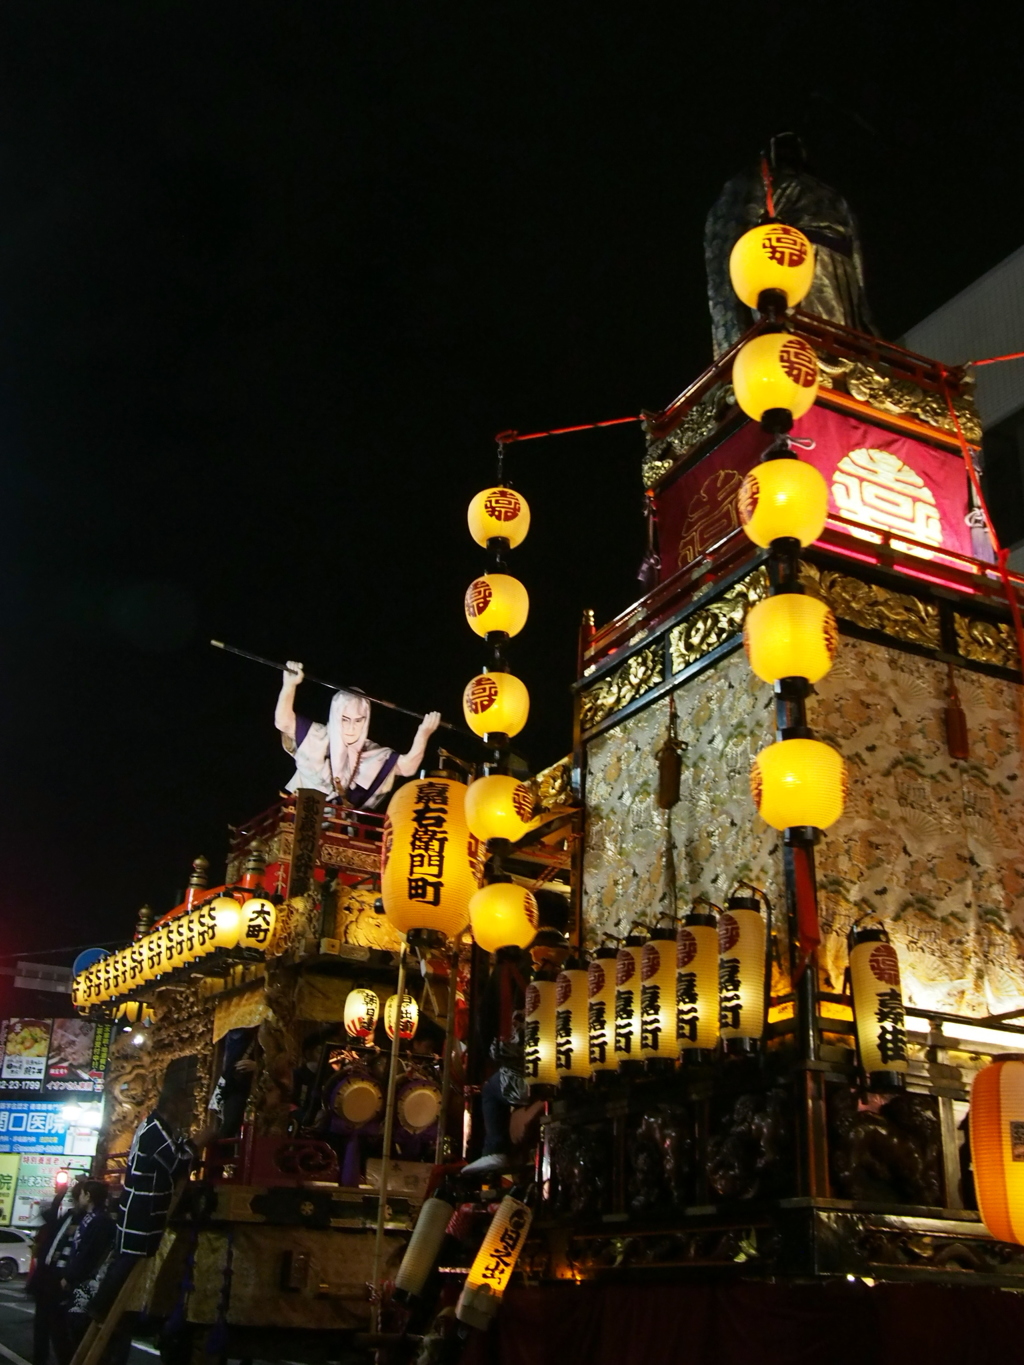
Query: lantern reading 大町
{"points": [[494, 1263], [539, 1035], [362, 1010], [429, 858], [495, 704], [997, 1146], [742, 984], [877, 1002], [697, 982], [410, 1017], [572, 1034], [601, 1010], [627, 1000], [658, 997], [258, 918]]}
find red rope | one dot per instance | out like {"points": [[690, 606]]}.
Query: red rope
{"points": [[769, 197], [995, 359], [506, 438]]}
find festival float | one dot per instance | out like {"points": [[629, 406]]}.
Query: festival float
{"points": [[771, 1048]]}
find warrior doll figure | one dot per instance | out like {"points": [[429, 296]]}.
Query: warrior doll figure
{"points": [[339, 758]]}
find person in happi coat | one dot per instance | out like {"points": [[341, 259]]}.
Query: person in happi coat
{"points": [[81, 1272], [339, 758]]}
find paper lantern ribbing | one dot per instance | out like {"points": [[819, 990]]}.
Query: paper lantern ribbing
{"points": [[494, 1263], [495, 703], [790, 635], [572, 1032], [772, 256], [429, 861], [785, 497], [424, 1245], [742, 984], [410, 1016], [877, 1001], [497, 602], [775, 370], [697, 982], [997, 1147], [627, 1000], [799, 782], [503, 915], [361, 1012], [658, 997], [227, 920], [499, 807], [499, 513], [601, 1010], [539, 1034]]}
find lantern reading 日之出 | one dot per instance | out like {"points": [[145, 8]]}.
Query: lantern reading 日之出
{"points": [[494, 1263], [539, 1035], [742, 984], [997, 1146], [697, 982], [773, 256], [627, 1000], [601, 1010], [775, 371], [362, 1009], [783, 498], [410, 1016], [572, 1034], [496, 602], [799, 782], [429, 861], [658, 997], [499, 807], [499, 514], [877, 1002], [503, 915], [790, 635], [495, 703]]}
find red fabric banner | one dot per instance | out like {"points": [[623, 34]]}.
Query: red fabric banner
{"points": [[876, 478]]}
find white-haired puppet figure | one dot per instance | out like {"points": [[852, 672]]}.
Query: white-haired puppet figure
{"points": [[339, 758]]}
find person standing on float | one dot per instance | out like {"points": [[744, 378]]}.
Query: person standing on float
{"points": [[339, 758]]}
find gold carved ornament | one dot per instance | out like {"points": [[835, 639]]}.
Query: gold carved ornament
{"points": [[986, 642], [875, 608], [636, 676], [710, 626], [695, 424], [887, 393], [553, 785]]}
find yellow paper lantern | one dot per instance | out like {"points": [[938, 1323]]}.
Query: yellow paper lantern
{"points": [[658, 997], [775, 370], [997, 1147], [429, 863], [790, 635], [627, 1000], [772, 256], [133, 1012], [499, 807], [503, 915], [601, 1010], [495, 703], [362, 1009], [799, 782], [572, 1033], [409, 1020], [258, 920], [786, 497], [539, 1034], [494, 1263], [499, 513], [877, 1001], [697, 982], [497, 602], [742, 1002], [227, 921]]}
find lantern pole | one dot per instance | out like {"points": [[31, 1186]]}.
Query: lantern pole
{"points": [[446, 1073], [389, 1125]]}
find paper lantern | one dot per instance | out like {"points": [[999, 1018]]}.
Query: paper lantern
{"points": [[499, 513], [697, 982], [601, 1010], [497, 602], [423, 1248], [429, 864], [361, 1012], [495, 703], [409, 1019], [499, 807], [572, 1031], [132, 1013], [503, 915], [658, 997], [877, 1001], [258, 919], [799, 782], [627, 1000], [783, 498], [772, 256], [790, 635], [227, 921], [997, 1147], [742, 1003], [494, 1263], [775, 370], [539, 1034]]}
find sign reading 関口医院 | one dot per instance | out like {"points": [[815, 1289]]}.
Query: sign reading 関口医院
{"points": [[45, 1126]]}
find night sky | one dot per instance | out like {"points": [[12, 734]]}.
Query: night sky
{"points": [[271, 278]]}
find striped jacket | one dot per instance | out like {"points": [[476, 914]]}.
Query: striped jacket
{"points": [[155, 1161]]}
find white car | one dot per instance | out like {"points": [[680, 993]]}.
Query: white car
{"points": [[15, 1252]]}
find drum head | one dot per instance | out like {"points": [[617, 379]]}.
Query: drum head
{"points": [[419, 1107], [358, 1101]]}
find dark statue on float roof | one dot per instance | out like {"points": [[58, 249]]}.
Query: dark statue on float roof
{"points": [[805, 202]]}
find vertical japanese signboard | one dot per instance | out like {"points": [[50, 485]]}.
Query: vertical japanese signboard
{"points": [[9, 1164]]}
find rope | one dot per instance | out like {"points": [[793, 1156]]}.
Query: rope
{"points": [[766, 179], [508, 437], [995, 359]]}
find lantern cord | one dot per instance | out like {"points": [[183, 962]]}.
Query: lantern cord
{"points": [[766, 179], [995, 359], [389, 1127]]}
